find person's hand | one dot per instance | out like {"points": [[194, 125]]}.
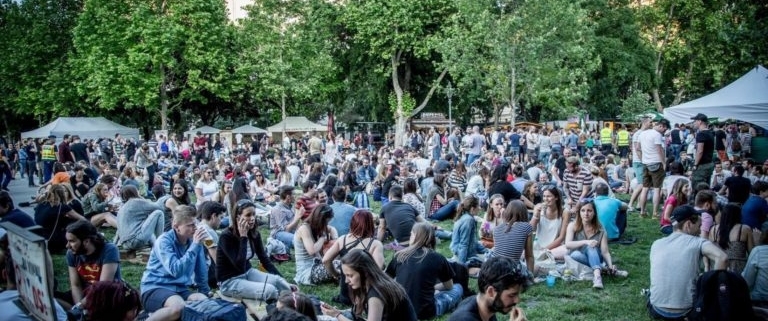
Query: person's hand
{"points": [[294, 287], [242, 227], [329, 310], [592, 243], [517, 314], [200, 236]]}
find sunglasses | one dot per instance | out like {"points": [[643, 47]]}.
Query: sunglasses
{"points": [[244, 203]]}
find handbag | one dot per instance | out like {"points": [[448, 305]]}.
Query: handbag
{"points": [[654, 167]]}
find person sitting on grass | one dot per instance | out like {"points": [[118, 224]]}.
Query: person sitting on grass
{"points": [[733, 237], [611, 212], [425, 274], [311, 238], [233, 268], [515, 236], [500, 283], [179, 196], [373, 293], [756, 272], [398, 218], [139, 222], [111, 300], [283, 218], [9, 213], [465, 242], [54, 214], [588, 244], [97, 208], [678, 197], [90, 258], [550, 221], [175, 258]]}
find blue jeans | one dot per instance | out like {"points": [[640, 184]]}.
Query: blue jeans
{"points": [[286, 238], [443, 234], [675, 151], [471, 158], [255, 285], [47, 170], [544, 157], [446, 301], [436, 154], [590, 257], [447, 211]]}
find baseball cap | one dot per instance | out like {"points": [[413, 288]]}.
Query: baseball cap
{"points": [[682, 213], [700, 117]]}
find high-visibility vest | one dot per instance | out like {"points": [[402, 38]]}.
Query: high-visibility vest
{"points": [[605, 136], [623, 138], [48, 153]]}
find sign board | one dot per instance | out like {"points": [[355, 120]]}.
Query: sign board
{"points": [[34, 272]]}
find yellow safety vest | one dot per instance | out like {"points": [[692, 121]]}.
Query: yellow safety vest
{"points": [[623, 138], [605, 136], [48, 153]]}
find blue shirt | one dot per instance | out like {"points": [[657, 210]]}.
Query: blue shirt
{"points": [[342, 216], [514, 140], [607, 209], [171, 265], [754, 211], [464, 240], [16, 216]]}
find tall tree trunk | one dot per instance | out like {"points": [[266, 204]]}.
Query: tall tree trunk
{"points": [[512, 96], [163, 99], [681, 90], [399, 113], [659, 68]]}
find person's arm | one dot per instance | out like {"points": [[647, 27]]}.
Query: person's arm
{"points": [[329, 256], [750, 240], [261, 254], [529, 252], [313, 247], [563, 231], [751, 269], [171, 203], [74, 284], [660, 148], [375, 309], [382, 229], [536, 216], [605, 251], [173, 264], [463, 243], [293, 225], [667, 211], [74, 215], [715, 254], [445, 285], [201, 271], [723, 190], [377, 251]]}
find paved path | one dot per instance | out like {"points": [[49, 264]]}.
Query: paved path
{"points": [[21, 192]]}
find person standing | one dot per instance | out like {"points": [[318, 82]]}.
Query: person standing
{"points": [[48, 154], [622, 141], [703, 164], [720, 142], [653, 158], [65, 154], [434, 144], [31, 150], [79, 150], [675, 265], [477, 145], [606, 139], [676, 141]]}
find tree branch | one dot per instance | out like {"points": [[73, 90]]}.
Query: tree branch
{"points": [[429, 94]]}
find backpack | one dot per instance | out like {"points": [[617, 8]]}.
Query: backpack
{"points": [[721, 295], [735, 143], [361, 200], [213, 310]]}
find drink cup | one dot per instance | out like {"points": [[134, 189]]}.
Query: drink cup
{"points": [[550, 281]]}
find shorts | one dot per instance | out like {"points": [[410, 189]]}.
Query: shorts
{"points": [[653, 179], [638, 167], [154, 299]]}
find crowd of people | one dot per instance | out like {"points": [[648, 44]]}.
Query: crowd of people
{"points": [[192, 213]]}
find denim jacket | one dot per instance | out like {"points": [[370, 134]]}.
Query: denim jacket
{"points": [[463, 243], [171, 265], [365, 174]]}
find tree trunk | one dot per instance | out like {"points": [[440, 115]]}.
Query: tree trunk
{"points": [[399, 113], [681, 91], [659, 68], [512, 96], [163, 99]]}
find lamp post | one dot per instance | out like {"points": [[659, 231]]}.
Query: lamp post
{"points": [[449, 94]]}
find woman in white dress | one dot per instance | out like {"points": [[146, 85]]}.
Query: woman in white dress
{"points": [[331, 152], [550, 222]]}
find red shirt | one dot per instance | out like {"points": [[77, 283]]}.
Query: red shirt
{"points": [[200, 142]]}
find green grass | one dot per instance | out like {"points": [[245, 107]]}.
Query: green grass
{"points": [[620, 300]]}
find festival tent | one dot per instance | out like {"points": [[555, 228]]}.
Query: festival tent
{"points": [[745, 99], [85, 127], [296, 124], [248, 129], [206, 130]]}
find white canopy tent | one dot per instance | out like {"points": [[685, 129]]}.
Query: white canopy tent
{"points": [[85, 127], [296, 124], [248, 129], [745, 99], [206, 130]]}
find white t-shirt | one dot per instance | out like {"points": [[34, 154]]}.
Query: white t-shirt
{"points": [[635, 138], [650, 140], [209, 189]]}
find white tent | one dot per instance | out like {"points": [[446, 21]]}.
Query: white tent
{"points": [[745, 99], [206, 130], [296, 124], [85, 127], [248, 129]]}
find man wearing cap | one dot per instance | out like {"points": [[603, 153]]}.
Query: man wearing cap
{"points": [[49, 156], [652, 156], [703, 165], [675, 263]]}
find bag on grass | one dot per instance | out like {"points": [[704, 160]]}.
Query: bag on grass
{"points": [[213, 310], [721, 295]]}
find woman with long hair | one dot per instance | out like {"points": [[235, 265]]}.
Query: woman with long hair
{"points": [[411, 196], [733, 237], [206, 187], [550, 222], [96, 207], [310, 240], [530, 195], [111, 300], [239, 192], [373, 293], [458, 177], [515, 236], [284, 177], [478, 183], [331, 181], [179, 196], [587, 242], [499, 184], [361, 236], [493, 218], [425, 274], [233, 268], [464, 243], [297, 302], [221, 195], [54, 214], [316, 173], [261, 185], [679, 196]]}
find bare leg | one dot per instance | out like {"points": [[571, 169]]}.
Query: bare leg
{"points": [[171, 310], [643, 200], [656, 200]]}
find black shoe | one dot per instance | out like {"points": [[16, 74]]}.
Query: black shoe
{"points": [[24, 204]]}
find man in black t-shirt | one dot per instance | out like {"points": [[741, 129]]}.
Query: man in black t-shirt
{"points": [[720, 137], [500, 283], [79, 150], [398, 217], [675, 141], [705, 147], [737, 186]]}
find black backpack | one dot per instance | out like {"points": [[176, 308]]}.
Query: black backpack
{"points": [[721, 295]]}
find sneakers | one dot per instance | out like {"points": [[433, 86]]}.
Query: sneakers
{"points": [[597, 282]]}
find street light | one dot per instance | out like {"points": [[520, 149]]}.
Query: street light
{"points": [[449, 94]]}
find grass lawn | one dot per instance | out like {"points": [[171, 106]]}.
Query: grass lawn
{"points": [[620, 300]]}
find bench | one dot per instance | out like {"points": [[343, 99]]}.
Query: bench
{"points": [[257, 310]]}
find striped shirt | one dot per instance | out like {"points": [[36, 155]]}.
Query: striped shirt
{"points": [[576, 182], [511, 244]]}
